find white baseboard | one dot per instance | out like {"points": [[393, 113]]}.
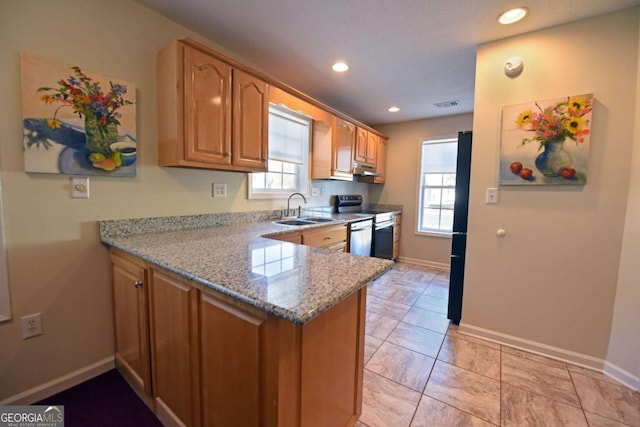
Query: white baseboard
{"points": [[61, 383], [549, 351], [619, 374], [423, 263]]}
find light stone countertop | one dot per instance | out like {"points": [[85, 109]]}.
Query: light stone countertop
{"points": [[291, 281]]}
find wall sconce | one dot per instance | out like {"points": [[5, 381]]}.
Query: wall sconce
{"points": [[513, 67]]}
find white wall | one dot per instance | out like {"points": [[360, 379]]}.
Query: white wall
{"points": [[623, 356], [402, 181], [56, 263], [550, 284]]}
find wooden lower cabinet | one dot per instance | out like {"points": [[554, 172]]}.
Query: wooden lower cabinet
{"points": [[131, 323], [234, 365], [396, 235], [215, 361], [175, 350], [330, 237]]}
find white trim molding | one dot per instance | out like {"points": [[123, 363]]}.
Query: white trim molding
{"points": [[423, 263], [545, 350], [62, 383], [619, 374]]}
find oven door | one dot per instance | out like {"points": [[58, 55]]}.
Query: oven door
{"points": [[360, 237], [383, 240]]}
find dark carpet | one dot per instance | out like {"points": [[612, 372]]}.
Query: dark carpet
{"points": [[106, 400]]}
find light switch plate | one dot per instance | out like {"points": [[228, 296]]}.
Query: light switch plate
{"points": [[314, 192], [79, 188], [492, 195]]}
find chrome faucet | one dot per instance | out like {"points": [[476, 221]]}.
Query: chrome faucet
{"points": [[289, 201]]}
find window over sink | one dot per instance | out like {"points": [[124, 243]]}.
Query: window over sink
{"points": [[288, 163]]}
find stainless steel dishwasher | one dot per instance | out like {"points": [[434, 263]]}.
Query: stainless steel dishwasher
{"points": [[360, 237]]}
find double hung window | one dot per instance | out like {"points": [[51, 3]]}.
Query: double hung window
{"points": [[437, 192], [288, 164]]}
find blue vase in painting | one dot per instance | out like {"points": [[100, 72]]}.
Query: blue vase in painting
{"points": [[553, 159]]}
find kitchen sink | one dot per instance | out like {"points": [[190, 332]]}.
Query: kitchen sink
{"points": [[294, 222], [309, 220], [317, 219]]}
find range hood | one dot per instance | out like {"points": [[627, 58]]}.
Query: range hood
{"points": [[361, 169]]}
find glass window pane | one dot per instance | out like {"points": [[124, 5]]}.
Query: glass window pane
{"points": [[274, 181], [448, 198], [289, 182], [449, 179], [433, 179], [446, 220], [432, 197], [431, 219]]}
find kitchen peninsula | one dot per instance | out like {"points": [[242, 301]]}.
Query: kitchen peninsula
{"points": [[219, 324]]}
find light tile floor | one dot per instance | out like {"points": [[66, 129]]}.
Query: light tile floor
{"points": [[419, 371]]}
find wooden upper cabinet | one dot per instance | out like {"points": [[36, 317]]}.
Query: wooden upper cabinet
{"points": [[360, 153], [207, 104], [211, 115], [365, 147], [250, 119], [344, 136], [381, 164]]}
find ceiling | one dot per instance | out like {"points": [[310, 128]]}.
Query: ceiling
{"points": [[409, 53]]}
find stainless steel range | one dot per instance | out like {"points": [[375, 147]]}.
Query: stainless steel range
{"points": [[382, 245]]}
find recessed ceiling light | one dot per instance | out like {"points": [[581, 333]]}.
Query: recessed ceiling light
{"points": [[513, 15], [340, 67], [394, 109]]}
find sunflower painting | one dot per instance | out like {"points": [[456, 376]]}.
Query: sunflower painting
{"points": [[546, 142]]}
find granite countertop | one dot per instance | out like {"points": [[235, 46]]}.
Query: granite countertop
{"points": [[291, 281]]}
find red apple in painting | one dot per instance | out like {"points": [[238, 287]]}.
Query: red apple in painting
{"points": [[568, 173], [526, 173], [516, 167]]}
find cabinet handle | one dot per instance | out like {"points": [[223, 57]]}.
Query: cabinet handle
{"points": [[227, 154], [137, 283], [327, 238]]}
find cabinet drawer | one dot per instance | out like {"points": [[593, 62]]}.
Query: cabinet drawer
{"points": [[325, 236]]}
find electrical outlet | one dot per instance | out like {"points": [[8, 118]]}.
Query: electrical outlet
{"points": [[219, 190], [31, 325], [314, 192], [321, 191]]}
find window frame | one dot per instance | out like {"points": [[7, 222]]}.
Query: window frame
{"points": [[421, 187], [304, 187]]}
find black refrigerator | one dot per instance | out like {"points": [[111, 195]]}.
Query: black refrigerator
{"points": [[459, 238]]}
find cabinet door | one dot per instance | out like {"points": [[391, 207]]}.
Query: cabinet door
{"points": [[233, 352], [131, 324], [250, 121], [174, 350], [344, 136], [372, 147], [360, 154], [207, 109], [381, 160]]}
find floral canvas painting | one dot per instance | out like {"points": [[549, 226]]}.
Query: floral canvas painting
{"points": [[546, 142], [76, 121]]}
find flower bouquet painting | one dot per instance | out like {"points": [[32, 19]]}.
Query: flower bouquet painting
{"points": [[75, 121], [546, 142]]}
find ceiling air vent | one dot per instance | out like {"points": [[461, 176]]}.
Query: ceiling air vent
{"points": [[446, 104]]}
